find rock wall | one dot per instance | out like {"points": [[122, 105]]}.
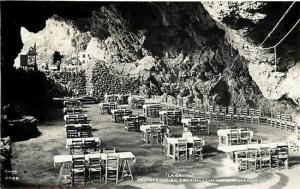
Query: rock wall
{"points": [[187, 59], [185, 49], [72, 81], [101, 80], [252, 21]]}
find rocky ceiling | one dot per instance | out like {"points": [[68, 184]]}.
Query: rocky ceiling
{"points": [[198, 48]]}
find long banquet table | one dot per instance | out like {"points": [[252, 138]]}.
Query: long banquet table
{"points": [[234, 148], [124, 157]]}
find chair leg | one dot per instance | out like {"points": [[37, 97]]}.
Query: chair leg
{"points": [[90, 177], [84, 178], [117, 176], [106, 172], [100, 176], [186, 155]]}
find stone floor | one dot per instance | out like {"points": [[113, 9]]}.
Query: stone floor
{"points": [[33, 159]]}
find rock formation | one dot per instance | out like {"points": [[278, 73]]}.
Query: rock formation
{"points": [[273, 85], [186, 49]]}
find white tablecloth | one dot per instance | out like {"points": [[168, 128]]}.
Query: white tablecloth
{"points": [[143, 128], [69, 140], [234, 148], [107, 103], [78, 125], [119, 110], [226, 132], [151, 105], [76, 115], [174, 141], [59, 159]]}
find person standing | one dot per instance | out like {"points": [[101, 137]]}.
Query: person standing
{"points": [[188, 135], [167, 134]]}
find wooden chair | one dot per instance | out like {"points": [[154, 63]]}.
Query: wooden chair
{"points": [[263, 118], [181, 149], [141, 119], [77, 110], [193, 126], [214, 114], [277, 123], [198, 149], [245, 137], [242, 117], [105, 109], [72, 132], [109, 151], [209, 112], [68, 110], [127, 112], [264, 158], [282, 117], [196, 114], [269, 121], [274, 157], [112, 168], [278, 115], [95, 169], [233, 137], [191, 112], [290, 126], [249, 117], [115, 116], [283, 122], [203, 126], [132, 125], [228, 116], [155, 135], [288, 117], [170, 118], [252, 159], [71, 119], [282, 156], [257, 116], [201, 115], [81, 119], [241, 160], [276, 120], [237, 114], [178, 117], [210, 109], [90, 145], [78, 170], [293, 126], [201, 108], [85, 131], [76, 146], [221, 115]]}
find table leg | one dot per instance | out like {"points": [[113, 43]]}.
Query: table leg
{"points": [[60, 172], [125, 168], [63, 165], [168, 150], [146, 137], [174, 151], [208, 128]]}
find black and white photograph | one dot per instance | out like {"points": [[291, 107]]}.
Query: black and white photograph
{"points": [[150, 94]]}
